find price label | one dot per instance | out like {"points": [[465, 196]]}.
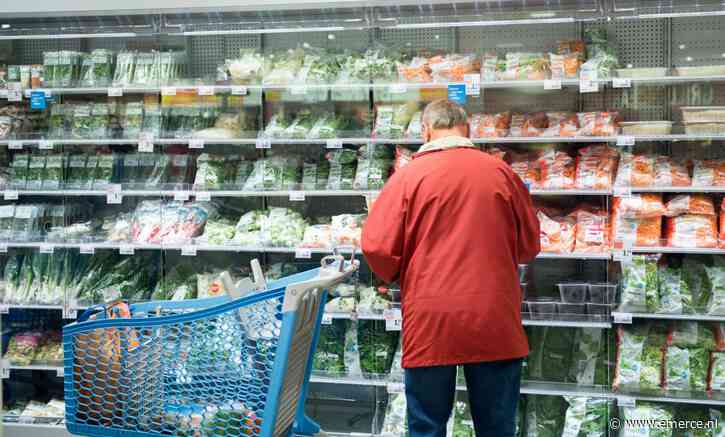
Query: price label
{"points": [[60, 372], [326, 319], [3, 248], [4, 309], [334, 143], [622, 191], [15, 145], [625, 318], [87, 249], [46, 248], [626, 401], [113, 198], [181, 196], [115, 92], [552, 84], [26, 419], [188, 250], [145, 145], [239, 90], [297, 196], [588, 86], [15, 92], [393, 319], [70, 314], [196, 144], [473, 84], [114, 188], [623, 255], [11, 195], [396, 387], [620, 82], [303, 253], [398, 88], [168, 91], [625, 140], [203, 196], [206, 91], [263, 143], [298, 90], [45, 145], [125, 249]]}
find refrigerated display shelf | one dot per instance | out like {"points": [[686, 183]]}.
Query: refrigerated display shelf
{"points": [[678, 397], [575, 255], [626, 317], [5, 308], [678, 250], [48, 367], [575, 321], [34, 429], [678, 189], [322, 378]]}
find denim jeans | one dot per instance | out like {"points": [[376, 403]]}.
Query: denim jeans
{"points": [[493, 394]]}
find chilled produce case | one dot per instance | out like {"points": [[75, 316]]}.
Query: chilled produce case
{"points": [[356, 388]]}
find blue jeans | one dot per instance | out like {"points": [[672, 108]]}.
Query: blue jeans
{"points": [[493, 394]]}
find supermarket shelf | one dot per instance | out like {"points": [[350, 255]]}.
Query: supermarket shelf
{"points": [[321, 378], [574, 322], [539, 192], [622, 316], [574, 255], [559, 389], [190, 193], [5, 307], [678, 189], [682, 250], [40, 367], [678, 397]]}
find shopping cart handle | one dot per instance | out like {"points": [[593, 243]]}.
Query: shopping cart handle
{"points": [[329, 275], [93, 309]]}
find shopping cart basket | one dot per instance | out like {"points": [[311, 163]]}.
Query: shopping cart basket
{"points": [[208, 367]]}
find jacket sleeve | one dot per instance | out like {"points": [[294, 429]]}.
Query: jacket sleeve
{"points": [[527, 223], [384, 230]]}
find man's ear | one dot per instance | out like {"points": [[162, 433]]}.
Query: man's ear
{"points": [[425, 132]]}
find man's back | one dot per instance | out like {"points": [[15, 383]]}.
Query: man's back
{"points": [[460, 242]]}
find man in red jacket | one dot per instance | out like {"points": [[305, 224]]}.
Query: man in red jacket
{"points": [[451, 227]]}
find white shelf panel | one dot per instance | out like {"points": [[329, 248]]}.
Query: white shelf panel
{"points": [[678, 189], [572, 192], [625, 315], [559, 389], [191, 193], [682, 250], [321, 378], [681, 397], [580, 322], [574, 255]]}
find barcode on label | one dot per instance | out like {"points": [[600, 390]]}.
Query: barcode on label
{"points": [[188, 251], [326, 319], [196, 144], [553, 84]]}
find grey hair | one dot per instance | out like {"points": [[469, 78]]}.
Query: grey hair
{"points": [[444, 114]]}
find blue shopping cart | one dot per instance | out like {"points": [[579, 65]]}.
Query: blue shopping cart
{"points": [[200, 368]]}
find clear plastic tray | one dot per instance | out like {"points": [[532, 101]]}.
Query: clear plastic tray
{"points": [[571, 308], [573, 292], [705, 128], [698, 114], [602, 293], [599, 309], [542, 308], [646, 127]]}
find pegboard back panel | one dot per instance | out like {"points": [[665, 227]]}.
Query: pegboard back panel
{"points": [[499, 100], [698, 41], [431, 39], [355, 40], [234, 43], [640, 43], [531, 38], [205, 54], [30, 51]]}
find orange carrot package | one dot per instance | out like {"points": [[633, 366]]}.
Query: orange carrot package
{"points": [[490, 125], [595, 167], [528, 125], [592, 231], [690, 230], [557, 234], [598, 124], [558, 170], [671, 173], [639, 206], [561, 124], [635, 171], [527, 167], [690, 204], [641, 232], [708, 173]]}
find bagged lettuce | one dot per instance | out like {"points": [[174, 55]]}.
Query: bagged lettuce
{"points": [[716, 278], [644, 411], [586, 417], [695, 335], [674, 292], [544, 416], [639, 357], [686, 369], [395, 423], [639, 283], [330, 354]]}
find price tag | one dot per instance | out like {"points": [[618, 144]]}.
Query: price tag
{"points": [[398, 88], [625, 318], [393, 319], [552, 84], [114, 188], [396, 387], [113, 198], [326, 319], [297, 196], [263, 143], [622, 255], [26, 419], [473, 84], [620, 82], [70, 314], [303, 253], [196, 144], [15, 92], [334, 143], [588, 86], [181, 196], [626, 401], [188, 250], [87, 249], [46, 248], [60, 372], [625, 140], [4, 309], [3, 248], [298, 90], [45, 145], [168, 91], [115, 92], [622, 191], [15, 145], [239, 90], [206, 91], [125, 249], [203, 196], [11, 195], [145, 145]]}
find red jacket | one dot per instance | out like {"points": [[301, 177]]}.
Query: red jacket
{"points": [[451, 227]]}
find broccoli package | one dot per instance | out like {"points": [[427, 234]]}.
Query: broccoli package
{"points": [[716, 278], [36, 170], [343, 163], [639, 357], [589, 357], [330, 354], [639, 283]]}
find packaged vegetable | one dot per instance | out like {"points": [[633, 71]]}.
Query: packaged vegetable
{"points": [[103, 175], [595, 167], [586, 417], [528, 125], [545, 416], [346, 229], [646, 412], [526, 66], [22, 348], [670, 172], [717, 372], [708, 173], [635, 170], [330, 354], [699, 204], [686, 334], [377, 347], [561, 124], [372, 302], [283, 227], [415, 127], [557, 233], [565, 66], [317, 236], [340, 305], [674, 293], [639, 358], [639, 283], [82, 124], [209, 171], [19, 170], [53, 175], [490, 125], [716, 301], [36, 169], [528, 167], [391, 121], [639, 232], [395, 423], [686, 369], [592, 231], [639, 206], [691, 230], [558, 170], [218, 232]]}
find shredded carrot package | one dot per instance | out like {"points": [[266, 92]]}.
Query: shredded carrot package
{"points": [[592, 231], [452, 67], [490, 125], [671, 173], [704, 173], [557, 233], [561, 124], [558, 170], [528, 125], [418, 70], [641, 232], [639, 206], [595, 167], [597, 124], [691, 230], [527, 167], [722, 223], [690, 204], [635, 171]]}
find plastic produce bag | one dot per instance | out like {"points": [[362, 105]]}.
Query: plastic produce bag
{"points": [[597, 124], [558, 170], [377, 347], [716, 278], [330, 354], [670, 172], [317, 237], [586, 417], [562, 124], [490, 125], [528, 125], [674, 293], [595, 167], [352, 350], [592, 231], [691, 231], [283, 228], [708, 173], [635, 170], [686, 369], [639, 358], [557, 234], [22, 348], [639, 206], [346, 229], [695, 335], [643, 412], [545, 416], [639, 282], [392, 120], [209, 171], [587, 362], [218, 232], [395, 423], [690, 204], [639, 232], [528, 168]]}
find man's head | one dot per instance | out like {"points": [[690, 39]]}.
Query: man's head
{"points": [[442, 118]]}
